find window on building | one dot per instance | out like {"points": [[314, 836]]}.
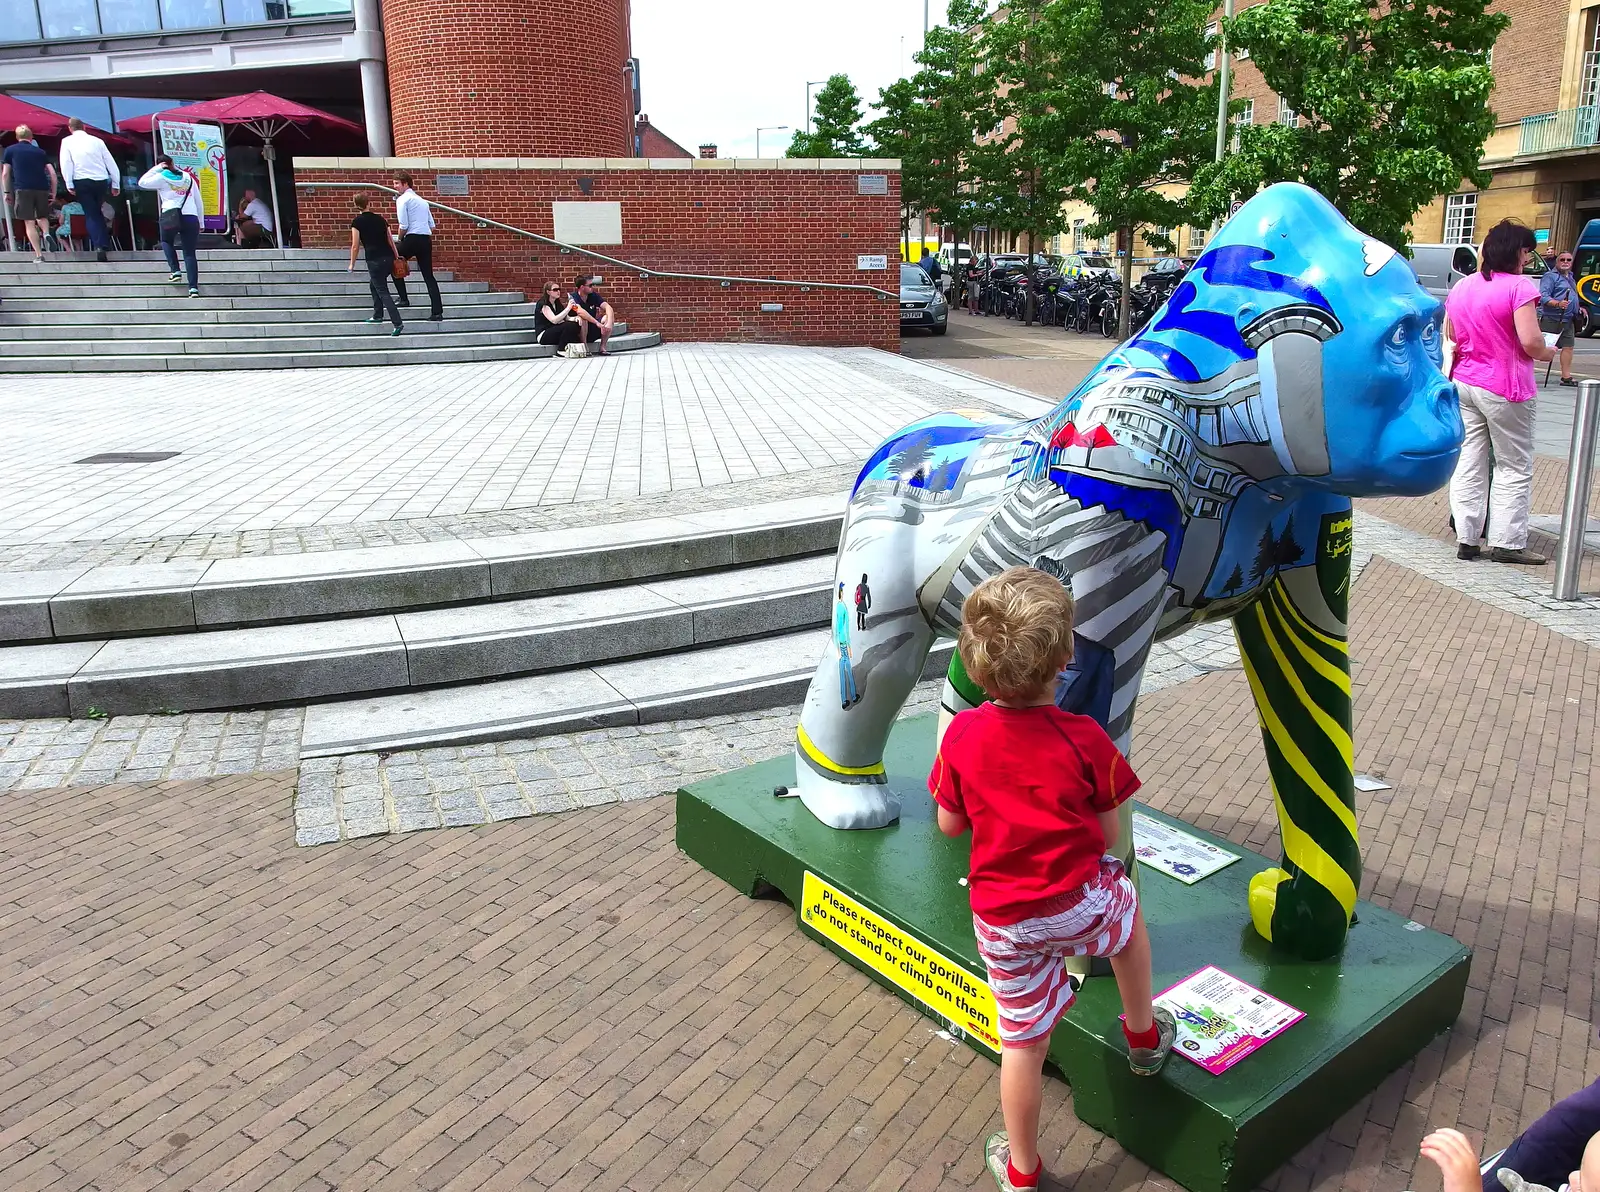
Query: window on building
{"points": [[1197, 239], [1460, 219], [1286, 114], [53, 20], [69, 18], [1211, 54], [1242, 54], [1078, 238], [1243, 118]]}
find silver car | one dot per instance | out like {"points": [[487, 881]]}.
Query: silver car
{"points": [[921, 305]]}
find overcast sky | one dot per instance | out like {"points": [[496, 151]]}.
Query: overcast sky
{"points": [[715, 70]]}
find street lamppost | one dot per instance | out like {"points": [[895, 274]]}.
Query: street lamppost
{"points": [[815, 83], [767, 128]]}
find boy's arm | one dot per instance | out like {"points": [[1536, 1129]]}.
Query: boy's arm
{"points": [[1109, 827], [952, 823], [946, 791]]}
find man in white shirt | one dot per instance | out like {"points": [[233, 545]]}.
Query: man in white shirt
{"points": [[414, 222], [91, 176], [253, 225]]}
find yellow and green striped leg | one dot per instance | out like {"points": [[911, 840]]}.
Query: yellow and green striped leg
{"points": [[1296, 656]]}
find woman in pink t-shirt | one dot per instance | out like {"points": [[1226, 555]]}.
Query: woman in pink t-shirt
{"points": [[1492, 319]]}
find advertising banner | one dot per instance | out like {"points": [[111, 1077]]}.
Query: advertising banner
{"points": [[197, 149]]}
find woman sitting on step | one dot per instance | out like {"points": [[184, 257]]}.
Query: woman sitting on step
{"points": [[554, 321]]}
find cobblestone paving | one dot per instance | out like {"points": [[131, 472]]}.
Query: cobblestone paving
{"points": [[566, 1002], [457, 450], [59, 752]]}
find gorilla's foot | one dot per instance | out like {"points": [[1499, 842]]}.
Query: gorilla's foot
{"points": [[849, 805]]}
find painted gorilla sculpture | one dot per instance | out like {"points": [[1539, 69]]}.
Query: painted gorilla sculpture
{"points": [[1203, 470]]}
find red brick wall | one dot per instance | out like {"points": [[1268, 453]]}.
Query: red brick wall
{"points": [[480, 78], [801, 225]]}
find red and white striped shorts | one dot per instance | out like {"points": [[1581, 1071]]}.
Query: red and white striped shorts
{"points": [[1026, 960]]}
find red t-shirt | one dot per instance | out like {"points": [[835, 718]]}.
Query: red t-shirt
{"points": [[1033, 782]]}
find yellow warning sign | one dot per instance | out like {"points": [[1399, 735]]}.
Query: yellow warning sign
{"points": [[945, 987]]}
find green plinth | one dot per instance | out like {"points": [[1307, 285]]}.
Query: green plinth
{"points": [[1395, 987]]}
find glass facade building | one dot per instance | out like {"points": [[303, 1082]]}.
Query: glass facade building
{"points": [[60, 20]]}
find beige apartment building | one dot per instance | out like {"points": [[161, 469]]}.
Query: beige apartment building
{"points": [[1544, 155]]}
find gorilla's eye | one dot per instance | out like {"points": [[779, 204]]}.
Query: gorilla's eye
{"points": [[1430, 332], [1397, 337]]}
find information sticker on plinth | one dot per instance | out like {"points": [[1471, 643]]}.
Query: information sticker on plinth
{"points": [[1221, 1019], [950, 990], [1176, 853]]}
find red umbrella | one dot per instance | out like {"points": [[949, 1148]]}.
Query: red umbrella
{"points": [[259, 112]]}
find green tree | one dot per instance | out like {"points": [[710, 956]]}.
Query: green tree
{"points": [[1017, 154], [1116, 114], [1392, 98], [835, 123]]}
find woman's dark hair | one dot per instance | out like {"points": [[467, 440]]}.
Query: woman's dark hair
{"points": [[1501, 246], [166, 160]]}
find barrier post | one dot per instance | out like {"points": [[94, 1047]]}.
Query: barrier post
{"points": [[1580, 473]]}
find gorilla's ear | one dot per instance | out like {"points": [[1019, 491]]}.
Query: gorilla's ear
{"points": [[1246, 315]]}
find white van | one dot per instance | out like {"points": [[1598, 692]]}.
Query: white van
{"points": [[1439, 266]]}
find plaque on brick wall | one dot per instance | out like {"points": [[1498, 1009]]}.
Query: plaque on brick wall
{"points": [[451, 186], [871, 261], [872, 184], [587, 223]]}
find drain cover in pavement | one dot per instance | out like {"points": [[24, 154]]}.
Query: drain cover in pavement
{"points": [[129, 457]]}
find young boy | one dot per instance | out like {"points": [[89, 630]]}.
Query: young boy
{"points": [[1040, 789]]}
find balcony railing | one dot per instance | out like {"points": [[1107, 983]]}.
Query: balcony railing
{"points": [[1553, 132]]}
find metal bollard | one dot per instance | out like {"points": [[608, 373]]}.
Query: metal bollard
{"points": [[1580, 473]]}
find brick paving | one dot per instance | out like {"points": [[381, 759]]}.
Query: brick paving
{"points": [[188, 1001]]}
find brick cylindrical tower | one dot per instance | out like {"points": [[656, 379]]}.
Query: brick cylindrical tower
{"points": [[502, 78]]}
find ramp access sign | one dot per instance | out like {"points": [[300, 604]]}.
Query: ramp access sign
{"points": [[949, 989]]}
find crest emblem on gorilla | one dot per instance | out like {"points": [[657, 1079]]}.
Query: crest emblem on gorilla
{"points": [[1203, 470]]}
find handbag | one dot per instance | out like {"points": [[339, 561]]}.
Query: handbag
{"points": [[171, 218], [575, 351], [401, 269]]}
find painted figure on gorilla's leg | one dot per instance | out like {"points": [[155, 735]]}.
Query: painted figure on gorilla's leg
{"points": [[1202, 472]]}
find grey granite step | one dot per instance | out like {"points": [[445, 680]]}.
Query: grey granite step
{"points": [[179, 299], [19, 322], [351, 337], [340, 285], [108, 602], [131, 281], [396, 351], [277, 664], [454, 322], [703, 681]]}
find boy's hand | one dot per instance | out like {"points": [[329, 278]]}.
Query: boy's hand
{"points": [[1456, 1159]]}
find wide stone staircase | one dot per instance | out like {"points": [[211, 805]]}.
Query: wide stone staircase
{"points": [[259, 308], [450, 642]]}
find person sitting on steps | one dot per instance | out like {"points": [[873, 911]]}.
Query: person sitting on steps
{"points": [[593, 311], [555, 322]]}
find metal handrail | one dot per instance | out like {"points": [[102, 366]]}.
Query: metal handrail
{"points": [[645, 272]]}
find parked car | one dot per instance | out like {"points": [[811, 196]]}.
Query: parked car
{"points": [[920, 304], [1077, 264]]}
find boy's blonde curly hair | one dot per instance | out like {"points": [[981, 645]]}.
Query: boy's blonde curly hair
{"points": [[1016, 631]]}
